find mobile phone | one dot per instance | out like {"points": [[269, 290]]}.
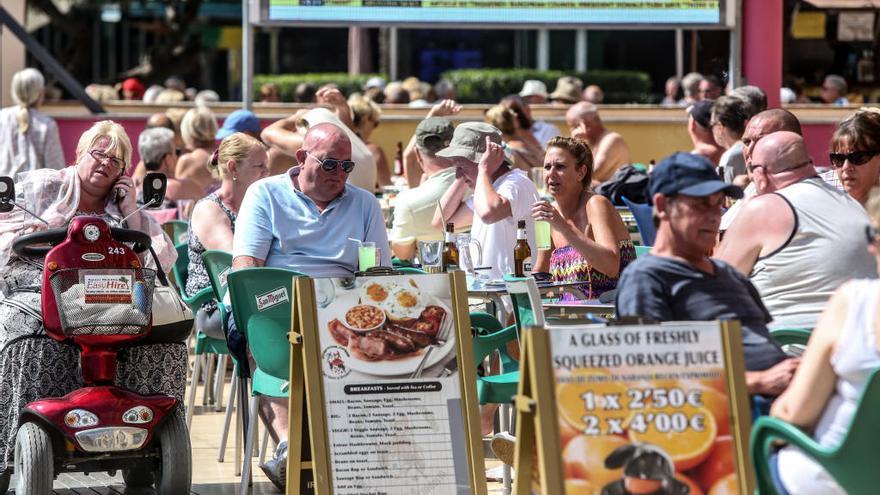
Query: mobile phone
{"points": [[118, 194]]}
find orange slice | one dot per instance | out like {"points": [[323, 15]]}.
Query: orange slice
{"points": [[584, 458], [725, 486]]}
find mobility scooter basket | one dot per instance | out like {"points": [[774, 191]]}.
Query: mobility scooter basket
{"points": [[104, 301]]}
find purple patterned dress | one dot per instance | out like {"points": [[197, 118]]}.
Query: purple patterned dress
{"points": [[567, 265]]}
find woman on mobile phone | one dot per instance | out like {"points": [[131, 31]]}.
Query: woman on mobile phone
{"points": [[32, 365]]}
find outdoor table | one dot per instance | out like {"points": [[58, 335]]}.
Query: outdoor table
{"points": [[494, 293], [577, 310]]}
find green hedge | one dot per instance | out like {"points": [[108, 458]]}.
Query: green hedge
{"points": [[288, 82], [489, 85], [483, 85]]}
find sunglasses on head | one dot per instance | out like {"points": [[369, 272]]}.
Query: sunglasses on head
{"points": [[330, 164], [855, 158]]}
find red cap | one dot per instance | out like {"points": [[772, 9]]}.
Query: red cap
{"points": [[133, 85]]}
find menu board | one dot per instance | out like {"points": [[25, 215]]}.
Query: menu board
{"points": [[646, 409], [391, 388], [501, 12]]}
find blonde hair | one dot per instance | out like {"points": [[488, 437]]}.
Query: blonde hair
{"points": [[120, 145], [873, 205], [236, 147], [503, 118], [363, 109], [27, 88], [198, 127]]}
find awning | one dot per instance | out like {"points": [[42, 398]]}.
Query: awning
{"points": [[846, 4]]}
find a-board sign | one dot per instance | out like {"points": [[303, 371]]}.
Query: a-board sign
{"points": [[396, 389], [657, 409]]}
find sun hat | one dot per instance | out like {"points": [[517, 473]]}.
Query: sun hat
{"points": [[434, 133], [690, 174], [568, 89], [533, 87], [469, 141], [239, 121], [374, 82]]}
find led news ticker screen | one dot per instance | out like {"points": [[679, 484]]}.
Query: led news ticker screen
{"points": [[496, 12]]}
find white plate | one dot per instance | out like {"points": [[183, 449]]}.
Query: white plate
{"points": [[406, 365]]}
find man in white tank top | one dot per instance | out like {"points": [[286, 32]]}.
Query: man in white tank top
{"points": [[800, 238]]}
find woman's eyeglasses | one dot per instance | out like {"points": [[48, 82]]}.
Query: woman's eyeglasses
{"points": [[330, 164], [855, 158], [102, 157]]}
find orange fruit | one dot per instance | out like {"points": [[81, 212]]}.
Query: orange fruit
{"points": [[717, 404], [566, 432], [688, 445], [717, 465], [582, 393], [584, 458], [725, 486], [692, 485], [576, 486]]}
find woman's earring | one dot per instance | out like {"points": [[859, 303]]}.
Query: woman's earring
{"points": [[234, 178]]}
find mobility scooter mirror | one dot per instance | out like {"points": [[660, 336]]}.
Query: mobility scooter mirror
{"points": [[7, 194], [155, 184]]}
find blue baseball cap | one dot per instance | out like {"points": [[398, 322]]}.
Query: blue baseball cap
{"points": [[239, 121], [693, 175]]}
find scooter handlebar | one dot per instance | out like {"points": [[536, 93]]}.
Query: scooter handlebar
{"points": [[38, 244]]}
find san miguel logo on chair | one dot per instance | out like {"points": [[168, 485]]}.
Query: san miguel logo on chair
{"points": [[272, 298], [107, 289]]}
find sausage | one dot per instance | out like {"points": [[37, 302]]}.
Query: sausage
{"points": [[419, 338], [399, 343], [340, 333]]}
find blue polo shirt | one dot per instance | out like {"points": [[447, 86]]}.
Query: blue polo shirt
{"points": [[281, 225]]}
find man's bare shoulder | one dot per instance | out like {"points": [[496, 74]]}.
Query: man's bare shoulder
{"points": [[764, 212]]}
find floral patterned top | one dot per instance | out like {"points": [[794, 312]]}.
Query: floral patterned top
{"points": [[197, 278], [567, 265]]}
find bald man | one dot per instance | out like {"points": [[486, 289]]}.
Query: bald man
{"points": [[610, 152], [303, 220], [799, 238]]}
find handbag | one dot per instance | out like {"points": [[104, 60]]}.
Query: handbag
{"points": [[172, 318]]}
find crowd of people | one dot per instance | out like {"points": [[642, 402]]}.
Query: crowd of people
{"points": [[748, 228]]}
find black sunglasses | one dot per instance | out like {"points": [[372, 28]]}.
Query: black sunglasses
{"points": [[330, 164], [855, 158]]}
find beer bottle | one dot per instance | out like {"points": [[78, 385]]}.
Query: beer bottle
{"points": [[522, 253], [450, 250], [398, 159]]}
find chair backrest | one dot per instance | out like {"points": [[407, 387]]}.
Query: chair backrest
{"points": [[644, 220], [218, 264], [177, 230], [261, 306], [849, 464], [489, 335], [526, 298], [181, 267]]}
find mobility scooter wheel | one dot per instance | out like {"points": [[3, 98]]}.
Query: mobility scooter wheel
{"points": [[175, 472], [33, 461]]}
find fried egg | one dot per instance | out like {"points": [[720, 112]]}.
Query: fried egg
{"points": [[404, 301], [375, 293]]}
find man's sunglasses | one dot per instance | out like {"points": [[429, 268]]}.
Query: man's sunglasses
{"points": [[855, 158], [330, 164]]}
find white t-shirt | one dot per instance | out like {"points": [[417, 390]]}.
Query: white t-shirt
{"points": [[544, 132], [364, 173], [499, 238]]}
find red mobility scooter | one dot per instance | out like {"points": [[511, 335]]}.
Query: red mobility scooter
{"points": [[96, 294]]}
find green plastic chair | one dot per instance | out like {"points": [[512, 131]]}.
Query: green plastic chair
{"points": [[177, 230], [266, 330], [489, 336], [791, 336], [181, 272], [642, 250], [848, 463], [218, 264], [526, 299]]}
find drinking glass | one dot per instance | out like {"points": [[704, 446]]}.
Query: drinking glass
{"points": [[429, 253], [366, 256], [537, 176], [542, 234]]}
